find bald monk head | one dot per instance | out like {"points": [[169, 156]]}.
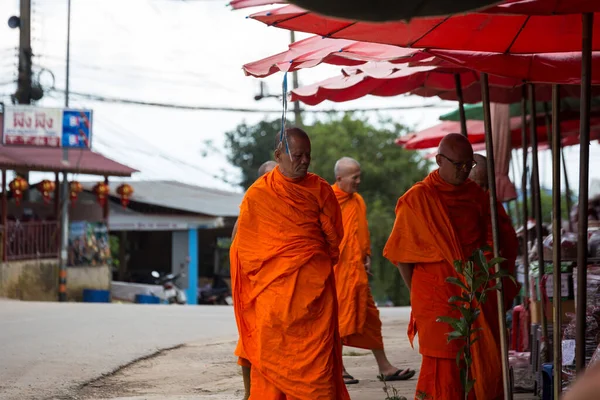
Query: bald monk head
{"points": [[295, 163], [479, 172], [266, 167], [455, 159], [347, 174]]}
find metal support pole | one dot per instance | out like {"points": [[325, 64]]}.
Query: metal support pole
{"points": [[487, 116], [4, 218], [64, 243], [297, 110], [584, 171], [556, 238], [461, 105], [524, 185], [535, 189], [568, 193]]}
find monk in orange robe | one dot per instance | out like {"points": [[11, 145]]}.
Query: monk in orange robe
{"points": [[439, 220], [282, 258], [360, 325], [266, 167]]}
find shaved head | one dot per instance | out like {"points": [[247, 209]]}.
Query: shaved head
{"points": [[266, 167], [293, 157], [347, 174], [455, 159], [479, 172]]}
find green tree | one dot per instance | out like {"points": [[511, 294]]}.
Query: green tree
{"points": [[387, 172]]}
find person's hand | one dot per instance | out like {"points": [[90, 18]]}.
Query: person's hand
{"points": [[368, 265]]}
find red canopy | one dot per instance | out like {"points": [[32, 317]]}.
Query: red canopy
{"points": [[431, 137], [563, 68], [527, 7], [315, 50], [473, 32], [384, 79]]}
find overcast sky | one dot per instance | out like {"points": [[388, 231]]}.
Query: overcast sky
{"points": [[175, 51]]}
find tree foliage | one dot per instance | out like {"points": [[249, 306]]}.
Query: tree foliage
{"points": [[387, 172]]}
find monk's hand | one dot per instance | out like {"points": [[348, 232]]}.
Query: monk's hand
{"points": [[368, 265]]}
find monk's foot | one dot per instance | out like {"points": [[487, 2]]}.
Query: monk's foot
{"points": [[397, 374]]}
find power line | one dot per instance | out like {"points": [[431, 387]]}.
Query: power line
{"points": [[107, 99]]}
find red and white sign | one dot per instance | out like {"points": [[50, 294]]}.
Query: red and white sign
{"points": [[29, 125]]}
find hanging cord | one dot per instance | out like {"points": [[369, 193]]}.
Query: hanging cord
{"points": [[283, 136]]}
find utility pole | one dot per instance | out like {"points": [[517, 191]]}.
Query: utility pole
{"points": [[297, 110], [23, 93], [64, 215]]}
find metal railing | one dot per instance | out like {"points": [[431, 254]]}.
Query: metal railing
{"points": [[30, 240]]}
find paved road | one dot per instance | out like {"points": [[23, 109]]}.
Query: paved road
{"points": [[46, 348]]}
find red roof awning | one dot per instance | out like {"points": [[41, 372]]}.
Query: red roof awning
{"points": [[50, 159]]}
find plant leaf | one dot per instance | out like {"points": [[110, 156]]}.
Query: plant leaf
{"points": [[480, 259], [455, 281], [496, 261], [469, 385], [458, 299], [454, 336]]}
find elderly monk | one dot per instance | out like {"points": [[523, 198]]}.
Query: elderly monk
{"points": [[287, 242], [267, 166], [360, 325], [509, 243], [439, 220]]}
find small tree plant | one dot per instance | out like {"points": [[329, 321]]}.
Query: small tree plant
{"points": [[477, 277], [391, 393]]}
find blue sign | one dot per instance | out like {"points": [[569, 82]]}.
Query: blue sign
{"points": [[77, 129]]}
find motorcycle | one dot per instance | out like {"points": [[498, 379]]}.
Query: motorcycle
{"points": [[173, 294], [218, 293]]}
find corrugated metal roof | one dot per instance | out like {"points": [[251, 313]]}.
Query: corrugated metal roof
{"points": [[181, 196], [49, 159], [124, 219]]}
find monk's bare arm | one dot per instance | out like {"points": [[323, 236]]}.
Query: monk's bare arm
{"points": [[234, 230], [406, 271]]}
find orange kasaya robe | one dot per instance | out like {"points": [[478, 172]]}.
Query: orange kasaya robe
{"points": [[360, 325], [283, 285], [436, 224]]}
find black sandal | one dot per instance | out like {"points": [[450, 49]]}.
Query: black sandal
{"points": [[349, 379], [400, 375]]}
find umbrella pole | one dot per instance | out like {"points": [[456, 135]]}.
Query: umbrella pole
{"points": [[537, 210], [524, 147], [584, 165], [556, 239], [489, 145], [514, 179], [461, 105], [568, 199]]}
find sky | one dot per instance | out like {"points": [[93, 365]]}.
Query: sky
{"points": [[187, 52]]}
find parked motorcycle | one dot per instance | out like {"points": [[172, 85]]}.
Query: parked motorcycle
{"points": [[218, 293], [173, 294]]}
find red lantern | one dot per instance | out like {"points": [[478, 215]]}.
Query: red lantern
{"points": [[17, 187], [74, 189], [125, 191], [46, 188], [101, 190]]}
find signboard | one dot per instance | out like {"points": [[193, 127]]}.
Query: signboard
{"points": [[89, 244], [48, 127]]}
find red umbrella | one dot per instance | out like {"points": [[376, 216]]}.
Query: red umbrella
{"points": [[474, 32], [563, 68], [431, 137], [383, 79], [315, 50]]}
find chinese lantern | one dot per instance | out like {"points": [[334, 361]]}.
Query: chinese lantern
{"points": [[17, 187], [125, 191], [101, 190], [74, 189], [46, 187]]}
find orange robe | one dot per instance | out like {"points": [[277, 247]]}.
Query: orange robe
{"points": [[283, 287], [360, 325], [437, 223]]}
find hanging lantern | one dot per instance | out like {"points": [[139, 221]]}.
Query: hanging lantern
{"points": [[46, 187], [17, 186], [101, 190], [125, 191], [74, 189]]}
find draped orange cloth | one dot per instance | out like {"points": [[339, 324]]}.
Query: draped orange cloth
{"points": [[283, 285], [360, 325], [436, 224]]}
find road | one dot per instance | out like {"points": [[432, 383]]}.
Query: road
{"points": [[48, 348]]}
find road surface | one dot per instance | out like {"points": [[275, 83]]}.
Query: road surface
{"points": [[48, 348]]}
